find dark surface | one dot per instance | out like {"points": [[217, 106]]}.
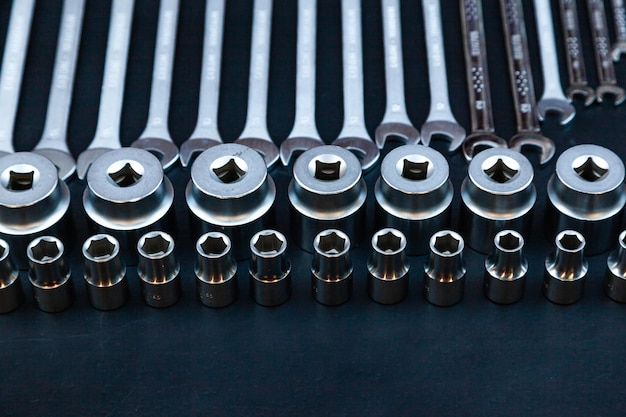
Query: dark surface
{"points": [[302, 358]]}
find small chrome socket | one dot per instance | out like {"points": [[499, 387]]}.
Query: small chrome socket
{"points": [[505, 269], [444, 272], [270, 270], [105, 273], [387, 267], [566, 269], [11, 294], [615, 278], [158, 270], [49, 275], [331, 270], [216, 270]]}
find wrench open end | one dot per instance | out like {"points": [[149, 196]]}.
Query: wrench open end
{"points": [[191, 147], [564, 108], [165, 150], [65, 163], [364, 148], [450, 131], [86, 158], [585, 92], [267, 149], [296, 144], [614, 91], [619, 48], [479, 141], [393, 130], [536, 142]]}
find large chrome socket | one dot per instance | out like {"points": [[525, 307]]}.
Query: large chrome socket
{"points": [[216, 270], [231, 192], [270, 269], [566, 269], [497, 194], [159, 270], [413, 194], [105, 273], [33, 202], [586, 194], [327, 192], [11, 294], [444, 272], [50, 276], [615, 278], [331, 270], [126, 196], [505, 269], [387, 267]]}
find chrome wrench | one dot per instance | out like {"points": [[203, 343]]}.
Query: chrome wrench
{"points": [[304, 134], [13, 69], [107, 136], [396, 122], [206, 133], [619, 18], [156, 136], [604, 64], [354, 135], [575, 61], [255, 134], [553, 98], [440, 120], [475, 48], [53, 142], [528, 130]]}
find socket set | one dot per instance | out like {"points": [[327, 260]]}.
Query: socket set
{"points": [[129, 201]]}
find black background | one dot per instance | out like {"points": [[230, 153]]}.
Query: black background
{"points": [[302, 358]]}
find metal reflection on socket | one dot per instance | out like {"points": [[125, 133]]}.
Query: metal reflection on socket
{"points": [[231, 192], [270, 270], [126, 196], [566, 269], [33, 202], [586, 194], [505, 269], [158, 270], [497, 194], [49, 274], [444, 272], [331, 270], [216, 270], [413, 194], [11, 294], [388, 268], [615, 278], [327, 192], [105, 273]]}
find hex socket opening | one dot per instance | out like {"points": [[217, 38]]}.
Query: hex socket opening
{"points": [[20, 177], [331, 244], [570, 241], [125, 173], [500, 168], [213, 245], [327, 167], [45, 250], [100, 248], [268, 244], [590, 167], [155, 245], [415, 167], [228, 169], [446, 244], [388, 242], [509, 241]]}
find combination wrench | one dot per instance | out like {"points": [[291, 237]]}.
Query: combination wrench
{"points": [[13, 61], [255, 134], [604, 64], [53, 142], [206, 133], [353, 135], [475, 48], [396, 122], [576, 69], [619, 18], [107, 136], [553, 98], [440, 121], [156, 137], [528, 130], [304, 134]]}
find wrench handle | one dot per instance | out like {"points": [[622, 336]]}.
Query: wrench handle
{"points": [[304, 123], [601, 42], [571, 33], [394, 67], [13, 68], [519, 66], [475, 48], [256, 120], [206, 126], [59, 103], [111, 99], [164, 54], [547, 48], [619, 17]]}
